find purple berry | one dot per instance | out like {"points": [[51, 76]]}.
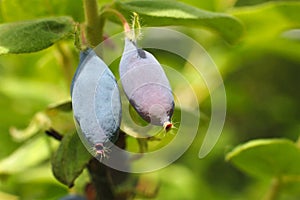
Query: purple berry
{"points": [[96, 103], [146, 85]]}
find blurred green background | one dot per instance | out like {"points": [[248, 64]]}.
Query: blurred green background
{"points": [[261, 76]]}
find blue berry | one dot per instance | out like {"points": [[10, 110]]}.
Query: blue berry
{"points": [[96, 103]]}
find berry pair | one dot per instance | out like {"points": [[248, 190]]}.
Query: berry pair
{"points": [[96, 99]]}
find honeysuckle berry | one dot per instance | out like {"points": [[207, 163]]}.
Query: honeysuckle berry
{"points": [[146, 85], [96, 103]]}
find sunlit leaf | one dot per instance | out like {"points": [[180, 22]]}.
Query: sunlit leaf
{"points": [[39, 122], [267, 157], [249, 2], [266, 28], [8, 196], [293, 34], [30, 154], [34, 35], [57, 117], [265, 21], [61, 117], [70, 159], [166, 13]]}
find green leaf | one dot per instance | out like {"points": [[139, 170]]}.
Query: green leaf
{"points": [[16, 10], [249, 2], [267, 157], [70, 159], [38, 123], [28, 155], [165, 13], [269, 20], [33, 35], [61, 117]]}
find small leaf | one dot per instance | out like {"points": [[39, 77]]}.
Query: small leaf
{"points": [[61, 117], [38, 123], [34, 35], [267, 157], [70, 159], [165, 13]]}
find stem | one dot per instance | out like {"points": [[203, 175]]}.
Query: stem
{"points": [[105, 179], [98, 173], [119, 16], [53, 133], [94, 25], [274, 191], [143, 144]]}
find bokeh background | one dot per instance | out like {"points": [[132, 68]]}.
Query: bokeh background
{"points": [[261, 76]]}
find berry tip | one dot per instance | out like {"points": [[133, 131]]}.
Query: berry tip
{"points": [[168, 126]]}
